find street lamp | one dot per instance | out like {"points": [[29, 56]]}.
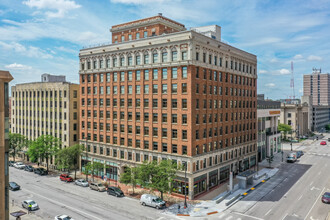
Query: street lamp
{"points": [[185, 185], [291, 139], [86, 160]]}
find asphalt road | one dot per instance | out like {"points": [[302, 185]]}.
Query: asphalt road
{"points": [[294, 193], [56, 197]]}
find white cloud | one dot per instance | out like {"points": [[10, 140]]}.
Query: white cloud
{"points": [[274, 60], [298, 57], [65, 49], [270, 85], [30, 51], [17, 66], [314, 58], [263, 71], [284, 71], [137, 1], [61, 7]]}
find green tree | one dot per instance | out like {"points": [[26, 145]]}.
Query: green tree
{"points": [[284, 128], [93, 168], [16, 143], [327, 127], [130, 176], [89, 169], [44, 147], [157, 176], [63, 159]]}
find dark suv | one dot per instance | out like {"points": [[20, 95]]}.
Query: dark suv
{"points": [[115, 191], [40, 171], [28, 168]]}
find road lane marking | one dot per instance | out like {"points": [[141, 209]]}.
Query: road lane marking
{"points": [[300, 197], [62, 204], [285, 216], [250, 216], [311, 183], [317, 199], [268, 212]]}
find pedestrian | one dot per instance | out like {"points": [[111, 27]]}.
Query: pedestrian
{"points": [[179, 208], [29, 209], [12, 202]]}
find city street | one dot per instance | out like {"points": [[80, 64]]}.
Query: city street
{"points": [[56, 197], [293, 193]]}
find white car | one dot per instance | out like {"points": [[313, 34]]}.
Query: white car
{"points": [[63, 217], [81, 182], [19, 165], [30, 205]]}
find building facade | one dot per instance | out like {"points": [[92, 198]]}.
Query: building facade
{"points": [[162, 92], [46, 108], [317, 85], [269, 138], [298, 117], [5, 78]]}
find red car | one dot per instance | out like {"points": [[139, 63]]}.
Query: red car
{"points": [[323, 143], [326, 197], [66, 178]]}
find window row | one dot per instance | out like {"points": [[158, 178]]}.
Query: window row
{"points": [[42, 94]]}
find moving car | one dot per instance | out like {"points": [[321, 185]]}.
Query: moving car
{"points": [[299, 153], [326, 197], [81, 182], [323, 143], [14, 186], [40, 171], [291, 158], [27, 203], [97, 186], [63, 217], [65, 177], [29, 168], [19, 165], [151, 200], [115, 191]]}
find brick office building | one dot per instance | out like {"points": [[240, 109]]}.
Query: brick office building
{"points": [[160, 91]]}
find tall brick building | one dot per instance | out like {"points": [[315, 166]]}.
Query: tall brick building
{"points": [[160, 91]]}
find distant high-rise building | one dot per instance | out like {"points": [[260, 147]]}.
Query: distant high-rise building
{"points": [[317, 85], [5, 78], [161, 92], [49, 107]]}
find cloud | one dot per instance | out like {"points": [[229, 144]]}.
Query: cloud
{"points": [[263, 71], [61, 7], [314, 58], [274, 60], [30, 51], [17, 66], [67, 50], [270, 85], [284, 71], [298, 57]]}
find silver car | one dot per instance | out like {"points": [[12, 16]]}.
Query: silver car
{"points": [[81, 182], [30, 205], [151, 200]]}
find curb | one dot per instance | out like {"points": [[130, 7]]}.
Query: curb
{"points": [[210, 213]]}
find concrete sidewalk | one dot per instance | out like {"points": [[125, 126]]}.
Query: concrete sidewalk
{"points": [[28, 216]]}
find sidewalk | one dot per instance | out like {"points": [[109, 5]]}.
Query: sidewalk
{"points": [[15, 208]]}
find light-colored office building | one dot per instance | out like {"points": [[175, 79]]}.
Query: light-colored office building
{"points": [[269, 138], [5, 78], [49, 107], [160, 91]]}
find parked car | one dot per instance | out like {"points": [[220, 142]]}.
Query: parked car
{"points": [[328, 139], [11, 163], [291, 158], [40, 171], [97, 186], [81, 182], [14, 186], [19, 165], [326, 197], [26, 204], [28, 168], [299, 153], [65, 177], [151, 200], [115, 191], [63, 217], [323, 143]]}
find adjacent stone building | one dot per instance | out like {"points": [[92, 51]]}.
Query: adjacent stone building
{"points": [[159, 92], [5, 78], [269, 138], [49, 107]]}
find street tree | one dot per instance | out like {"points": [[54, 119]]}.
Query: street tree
{"points": [[93, 168], [63, 159], [284, 128], [16, 143], [44, 147], [327, 127], [130, 176]]}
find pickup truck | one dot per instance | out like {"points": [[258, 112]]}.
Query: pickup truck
{"points": [[66, 178]]}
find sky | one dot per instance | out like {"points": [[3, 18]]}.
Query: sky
{"points": [[45, 36]]}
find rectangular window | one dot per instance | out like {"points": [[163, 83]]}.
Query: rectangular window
{"points": [[164, 57], [138, 60], [146, 75], [174, 56], [174, 73], [184, 72], [164, 73], [145, 34], [154, 57], [155, 74], [174, 88], [146, 89], [184, 55]]}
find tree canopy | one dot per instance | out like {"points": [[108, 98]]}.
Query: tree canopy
{"points": [[284, 127], [68, 158], [16, 143]]}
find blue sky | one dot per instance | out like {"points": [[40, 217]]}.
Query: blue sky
{"points": [[44, 36]]}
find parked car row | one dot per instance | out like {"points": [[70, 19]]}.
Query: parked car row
{"points": [[293, 156], [29, 168]]}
